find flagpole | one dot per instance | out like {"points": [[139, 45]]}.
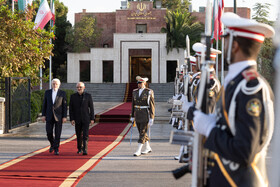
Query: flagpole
{"points": [[50, 68], [222, 62], [217, 58], [13, 6], [41, 81]]}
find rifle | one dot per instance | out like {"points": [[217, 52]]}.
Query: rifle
{"points": [[199, 164], [177, 80]]}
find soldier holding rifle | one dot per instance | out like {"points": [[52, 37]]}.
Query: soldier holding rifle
{"points": [[214, 85], [239, 133]]}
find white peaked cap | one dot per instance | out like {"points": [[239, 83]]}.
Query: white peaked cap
{"points": [[141, 79], [193, 60], [199, 48], [182, 67], [246, 28]]}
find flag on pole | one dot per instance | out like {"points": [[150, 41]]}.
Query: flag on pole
{"points": [[218, 25], [22, 4], [43, 15], [53, 12]]}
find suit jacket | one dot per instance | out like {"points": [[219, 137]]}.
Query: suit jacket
{"points": [[142, 115], [83, 112], [58, 109]]}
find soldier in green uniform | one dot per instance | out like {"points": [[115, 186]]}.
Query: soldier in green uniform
{"points": [[143, 113]]}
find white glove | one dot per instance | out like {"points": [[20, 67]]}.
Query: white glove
{"points": [[186, 105], [204, 123], [175, 97], [151, 122], [132, 119]]}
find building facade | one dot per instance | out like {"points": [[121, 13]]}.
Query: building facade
{"points": [[131, 44]]}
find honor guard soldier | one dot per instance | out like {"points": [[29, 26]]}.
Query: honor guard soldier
{"points": [[214, 86], [143, 113], [239, 133]]}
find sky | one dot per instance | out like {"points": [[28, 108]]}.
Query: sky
{"points": [[75, 6]]}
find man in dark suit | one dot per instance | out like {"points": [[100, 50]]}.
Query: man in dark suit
{"points": [[54, 112], [81, 115]]}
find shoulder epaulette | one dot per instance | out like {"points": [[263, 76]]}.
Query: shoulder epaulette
{"points": [[250, 74]]}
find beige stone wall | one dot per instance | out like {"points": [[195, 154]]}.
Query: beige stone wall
{"points": [[2, 114]]}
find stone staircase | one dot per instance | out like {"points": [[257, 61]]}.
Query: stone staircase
{"points": [[115, 92], [162, 91]]}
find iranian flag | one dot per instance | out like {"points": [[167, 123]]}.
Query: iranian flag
{"points": [[43, 16], [218, 25]]}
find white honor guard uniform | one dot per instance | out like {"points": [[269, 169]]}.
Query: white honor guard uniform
{"points": [[240, 132]]}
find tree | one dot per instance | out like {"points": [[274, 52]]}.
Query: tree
{"points": [[261, 13], [265, 60], [22, 49], [174, 5], [178, 25], [83, 35], [267, 51], [60, 46]]}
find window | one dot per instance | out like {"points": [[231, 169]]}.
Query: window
{"points": [[108, 71], [85, 70], [141, 28]]}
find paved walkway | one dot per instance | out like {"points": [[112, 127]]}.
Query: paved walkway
{"points": [[119, 167]]}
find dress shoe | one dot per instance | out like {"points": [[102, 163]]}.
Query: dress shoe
{"points": [[51, 149], [56, 152], [84, 153], [79, 151]]}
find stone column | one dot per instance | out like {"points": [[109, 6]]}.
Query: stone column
{"points": [[2, 114]]}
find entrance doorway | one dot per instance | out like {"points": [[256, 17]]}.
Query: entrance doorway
{"points": [[140, 66]]}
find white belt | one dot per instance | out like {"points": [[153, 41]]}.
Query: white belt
{"points": [[140, 107]]}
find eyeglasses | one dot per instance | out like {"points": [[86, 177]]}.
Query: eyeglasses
{"points": [[79, 87]]}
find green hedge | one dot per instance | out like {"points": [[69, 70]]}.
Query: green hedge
{"points": [[37, 98], [36, 105], [68, 94]]}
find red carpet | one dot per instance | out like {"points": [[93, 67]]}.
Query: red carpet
{"points": [[131, 87], [42, 168], [118, 114]]}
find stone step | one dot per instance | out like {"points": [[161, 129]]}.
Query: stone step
{"points": [[115, 92]]}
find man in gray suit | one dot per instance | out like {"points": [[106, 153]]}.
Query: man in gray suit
{"points": [[143, 113]]}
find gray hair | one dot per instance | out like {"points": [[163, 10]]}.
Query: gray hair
{"points": [[56, 80], [83, 84]]}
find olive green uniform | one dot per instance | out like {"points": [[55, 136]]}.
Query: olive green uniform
{"points": [[143, 109]]}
